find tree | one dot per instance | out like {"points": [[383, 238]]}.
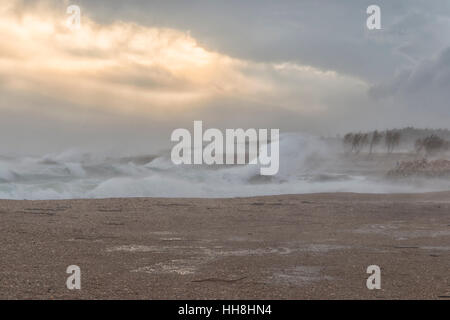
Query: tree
{"points": [[364, 141], [392, 139], [396, 139], [433, 144], [418, 145], [376, 138], [348, 140]]}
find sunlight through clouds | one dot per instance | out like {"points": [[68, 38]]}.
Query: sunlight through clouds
{"points": [[132, 68]]}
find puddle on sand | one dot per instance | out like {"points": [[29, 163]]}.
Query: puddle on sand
{"points": [[220, 251], [299, 276], [177, 266], [135, 248]]}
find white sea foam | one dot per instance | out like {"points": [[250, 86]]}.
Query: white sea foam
{"points": [[307, 165]]}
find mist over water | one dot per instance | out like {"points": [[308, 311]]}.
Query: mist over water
{"points": [[308, 164]]}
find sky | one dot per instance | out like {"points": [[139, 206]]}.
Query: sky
{"points": [[136, 70]]}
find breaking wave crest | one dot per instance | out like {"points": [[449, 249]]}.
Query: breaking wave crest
{"points": [[307, 165]]}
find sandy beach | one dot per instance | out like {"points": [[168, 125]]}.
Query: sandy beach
{"points": [[315, 246]]}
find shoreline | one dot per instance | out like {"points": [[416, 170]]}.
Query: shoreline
{"points": [[419, 194]]}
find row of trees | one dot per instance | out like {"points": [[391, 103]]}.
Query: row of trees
{"points": [[356, 142]]}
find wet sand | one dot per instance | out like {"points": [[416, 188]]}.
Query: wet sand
{"points": [[314, 246]]}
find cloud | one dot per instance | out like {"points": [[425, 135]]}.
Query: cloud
{"points": [[123, 81], [328, 34], [133, 68], [424, 87], [138, 69], [121, 65]]}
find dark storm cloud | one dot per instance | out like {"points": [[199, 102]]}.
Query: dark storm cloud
{"points": [[425, 87], [328, 34]]}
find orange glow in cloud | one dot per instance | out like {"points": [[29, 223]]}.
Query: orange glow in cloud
{"points": [[133, 68]]}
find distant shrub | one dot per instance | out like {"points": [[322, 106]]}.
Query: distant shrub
{"points": [[431, 144]]}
